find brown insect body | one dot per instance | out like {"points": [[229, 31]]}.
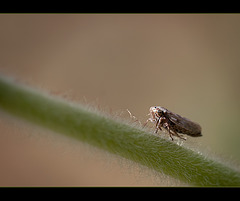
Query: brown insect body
{"points": [[174, 123]]}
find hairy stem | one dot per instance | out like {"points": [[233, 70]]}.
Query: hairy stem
{"points": [[114, 136]]}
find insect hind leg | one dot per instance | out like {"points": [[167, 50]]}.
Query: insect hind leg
{"points": [[172, 132], [176, 134]]}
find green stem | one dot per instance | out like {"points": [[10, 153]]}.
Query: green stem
{"points": [[114, 136]]}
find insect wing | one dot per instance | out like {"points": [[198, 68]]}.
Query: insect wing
{"points": [[184, 123]]}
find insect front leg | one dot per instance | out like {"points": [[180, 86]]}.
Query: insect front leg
{"points": [[149, 119]]}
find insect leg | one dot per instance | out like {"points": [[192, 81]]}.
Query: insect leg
{"points": [[147, 122], [168, 128], [175, 133], [149, 119], [158, 124]]}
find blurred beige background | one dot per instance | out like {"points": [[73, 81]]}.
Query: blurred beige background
{"points": [[187, 63]]}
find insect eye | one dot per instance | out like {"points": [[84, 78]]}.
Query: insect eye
{"points": [[160, 112]]}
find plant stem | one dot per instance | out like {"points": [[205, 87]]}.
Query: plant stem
{"points": [[114, 136]]}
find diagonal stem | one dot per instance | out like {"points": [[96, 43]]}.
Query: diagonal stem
{"points": [[114, 136]]}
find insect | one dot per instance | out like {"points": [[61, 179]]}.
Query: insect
{"points": [[173, 123]]}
